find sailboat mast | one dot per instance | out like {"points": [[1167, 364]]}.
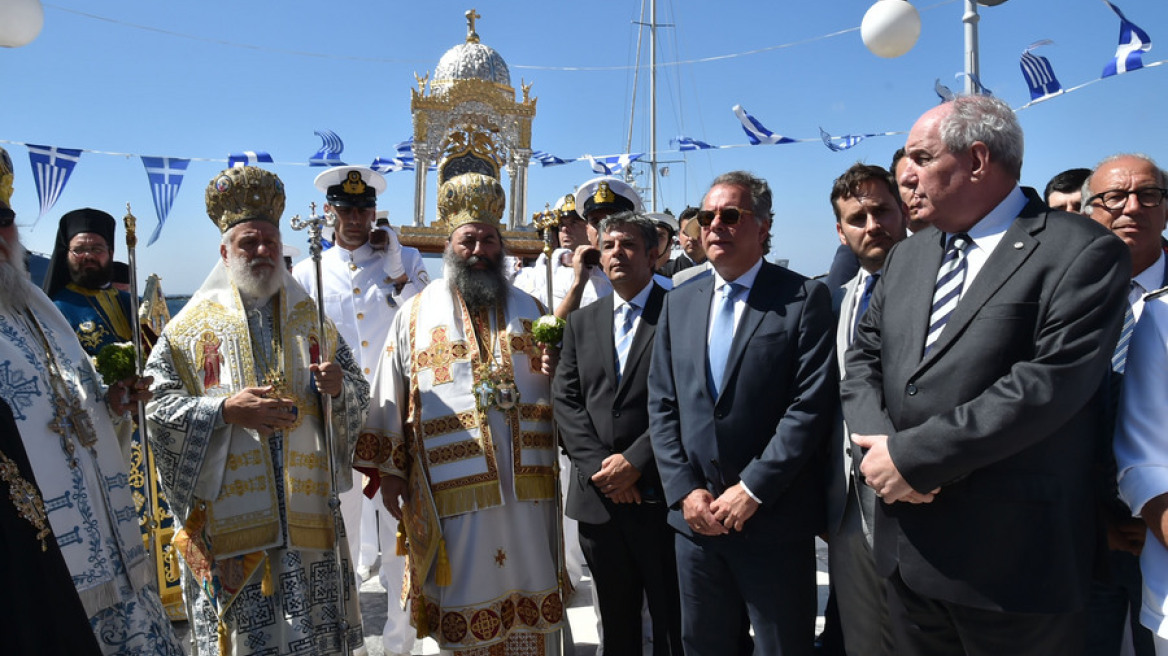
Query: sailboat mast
{"points": [[653, 105]]}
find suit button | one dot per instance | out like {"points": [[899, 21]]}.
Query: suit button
{"points": [[364, 342], [616, 413], [719, 415], [848, 451], [360, 315], [356, 290], [911, 389]]}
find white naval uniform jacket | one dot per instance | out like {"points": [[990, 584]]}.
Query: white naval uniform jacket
{"points": [[358, 286]]}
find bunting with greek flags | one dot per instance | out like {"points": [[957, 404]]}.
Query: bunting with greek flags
{"points": [[248, 158], [845, 142], [1133, 43], [1038, 73], [943, 92], [613, 164], [756, 134], [392, 164], [547, 159], [330, 151], [166, 176], [51, 168], [689, 143]]}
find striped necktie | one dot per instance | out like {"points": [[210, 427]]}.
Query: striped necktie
{"points": [[1119, 356], [626, 315], [950, 280], [722, 336]]}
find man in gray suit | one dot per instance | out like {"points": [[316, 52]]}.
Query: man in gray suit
{"points": [[742, 394], [870, 219], [971, 389]]}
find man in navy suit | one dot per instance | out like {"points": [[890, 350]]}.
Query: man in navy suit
{"points": [[970, 387], [742, 399], [602, 408]]}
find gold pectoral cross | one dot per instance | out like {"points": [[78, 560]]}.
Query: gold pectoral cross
{"points": [[68, 414]]}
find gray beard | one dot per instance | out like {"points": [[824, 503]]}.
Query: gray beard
{"points": [[255, 288], [15, 288], [479, 288]]}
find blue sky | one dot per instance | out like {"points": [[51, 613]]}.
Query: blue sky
{"points": [[201, 80]]}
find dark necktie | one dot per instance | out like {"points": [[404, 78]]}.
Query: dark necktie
{"points": [[722, 336], [1119, 356], [865, 299], [950, 280]]}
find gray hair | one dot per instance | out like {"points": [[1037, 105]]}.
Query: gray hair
{"points": [[641, 223], [760, 197], [226, 239], [988, 120], [1086, 192]]}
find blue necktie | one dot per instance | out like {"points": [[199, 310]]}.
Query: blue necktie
{"points": [[865, 299], [1119, 356], [623, 335], [950, 280], [721, 336]]}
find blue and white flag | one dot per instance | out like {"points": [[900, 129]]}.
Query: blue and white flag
{"points": [[391, 164], [755, 132], [330, 151], [547, 159], [978, 87], [689, 143], [248, 158], [1038, 73], [166, 176], [51, 168], [942, 91], [613, 164], [845, 142], [1133, 43]]}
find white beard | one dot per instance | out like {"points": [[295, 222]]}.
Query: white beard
{"points": [[255, 288], [15, 288]]}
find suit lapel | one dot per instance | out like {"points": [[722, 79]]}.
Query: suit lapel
{"points": [[643, 336], [605, 328], [1016, 245], [844, 326]]}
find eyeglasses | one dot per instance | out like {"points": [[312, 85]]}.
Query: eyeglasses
{"points": [[1115, 199], [96, 251], [7, 217], [729, 216]]}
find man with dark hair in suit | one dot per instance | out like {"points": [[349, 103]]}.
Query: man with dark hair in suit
{"points": [[971, 389], [1065, 190], [602, 402], [870, 220], [742, 396]]}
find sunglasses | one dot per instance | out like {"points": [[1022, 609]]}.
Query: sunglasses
{"points": [[7, 217], [729, 216]]}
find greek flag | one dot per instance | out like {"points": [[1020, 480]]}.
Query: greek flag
{"points": [[689, 143], [1038, 73], [978, 87], [547, 159], [613, 164], [391, 164], [755, 132], [1133, 43], [51, 168], [166, 176], [248, 158], [331, 147], [942, 91], [845, 142]]}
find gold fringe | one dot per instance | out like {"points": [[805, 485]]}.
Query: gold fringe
{"points": [[243, 541], [308, 537], [224, 640], [401, 542], [266, 586], [534, 486], [442, 572], [467, 498]]}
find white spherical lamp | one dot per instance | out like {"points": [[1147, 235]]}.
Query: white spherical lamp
{"points": [[20, 22], [890, 28]]}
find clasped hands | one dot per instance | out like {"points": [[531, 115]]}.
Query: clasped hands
{"points": [[881, 474], [256, 408], [711, 516], [617, 480], [124, 395]]}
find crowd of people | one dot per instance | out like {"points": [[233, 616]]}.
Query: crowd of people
{"points": [[967, 408]]}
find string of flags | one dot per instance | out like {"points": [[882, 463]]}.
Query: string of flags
{"points": [[52, 166]]}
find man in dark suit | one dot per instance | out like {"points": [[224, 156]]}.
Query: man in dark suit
{"points": [[742, 399], [970, 387], [602, 403]]}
